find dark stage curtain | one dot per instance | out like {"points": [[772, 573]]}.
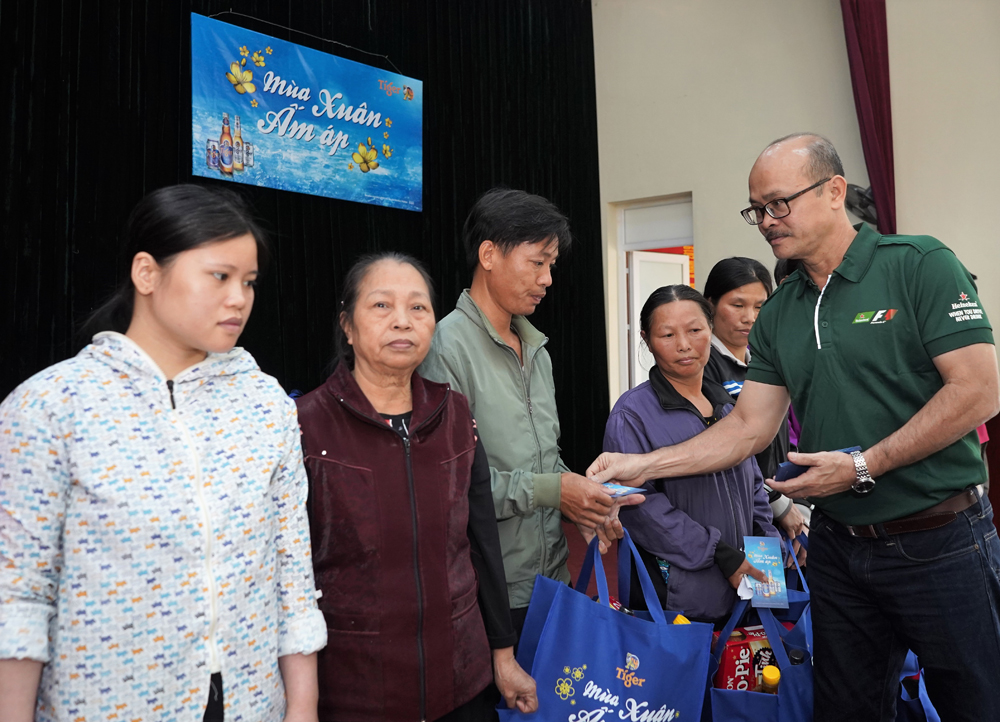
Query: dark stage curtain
{"points": [[868, 53], [97, 113]]}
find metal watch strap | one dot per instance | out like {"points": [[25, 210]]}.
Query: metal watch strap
{"points": [[864, 482]]}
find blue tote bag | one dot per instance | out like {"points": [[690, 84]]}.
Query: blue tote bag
{"points": [[794, 701], [592, 662]]}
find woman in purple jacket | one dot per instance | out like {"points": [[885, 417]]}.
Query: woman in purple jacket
{"points": [[690, 529]]}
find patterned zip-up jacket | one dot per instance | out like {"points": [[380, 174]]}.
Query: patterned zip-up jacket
{"points": [[143, 546]]}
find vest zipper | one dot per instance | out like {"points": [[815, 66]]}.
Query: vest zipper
{"points": [[416, 548], [816, 311], [206, 520], [416, 576]]}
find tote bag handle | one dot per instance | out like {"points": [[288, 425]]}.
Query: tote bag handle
{"points": [[804, 541], [593, 560]]}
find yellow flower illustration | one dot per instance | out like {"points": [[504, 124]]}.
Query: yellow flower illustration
{"points": [[564, 688], [244, 52], [268, 50], [365, 158], [577, 673], [241, 78], [350, 166], [565, 670], [253, 103], [386, 151], [385, 134], [388, 122], [258, 59]]}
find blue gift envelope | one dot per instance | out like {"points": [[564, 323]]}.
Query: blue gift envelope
{"points": [[787, 470]]}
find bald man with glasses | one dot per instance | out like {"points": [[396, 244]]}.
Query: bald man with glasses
{"points": [[880, 342]]}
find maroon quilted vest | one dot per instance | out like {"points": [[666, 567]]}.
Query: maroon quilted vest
{"points": [[391, 553]]}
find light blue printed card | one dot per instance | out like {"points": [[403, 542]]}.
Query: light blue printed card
{"points": [[619, 490], [765, 554]]}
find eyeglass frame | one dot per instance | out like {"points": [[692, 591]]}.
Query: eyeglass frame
{"points": [[766, 207]]}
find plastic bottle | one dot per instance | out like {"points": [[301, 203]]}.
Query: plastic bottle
{"points": [[770, 677]]}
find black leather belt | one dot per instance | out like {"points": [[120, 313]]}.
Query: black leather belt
{"points": [[936, 517]]}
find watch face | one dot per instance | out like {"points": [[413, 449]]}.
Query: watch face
{"points": [[863, 486]]}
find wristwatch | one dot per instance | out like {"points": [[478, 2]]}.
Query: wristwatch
{"points": [[864, 483]]}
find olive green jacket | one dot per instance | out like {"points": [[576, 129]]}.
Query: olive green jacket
{"points": [[515, 411]]}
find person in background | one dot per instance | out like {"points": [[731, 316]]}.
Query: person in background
{"points": [[153, 525], [737, 288], [405, 544], [488, 350], [690, 530], [882, 343]]}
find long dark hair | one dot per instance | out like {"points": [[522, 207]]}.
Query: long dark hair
{"points": [[349, 298], [165, 223], [735, 272], [668, 294]]}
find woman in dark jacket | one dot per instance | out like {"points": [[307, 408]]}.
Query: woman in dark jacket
{"points": [[737, 288], [401, 511], [690, 530]]}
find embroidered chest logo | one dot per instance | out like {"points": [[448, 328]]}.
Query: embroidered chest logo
{"points": [[965, 310], [876, 318]]}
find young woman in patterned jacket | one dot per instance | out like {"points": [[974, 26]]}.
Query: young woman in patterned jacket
{"points": [[154, 542]]}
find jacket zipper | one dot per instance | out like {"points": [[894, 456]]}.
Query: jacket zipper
{"points": [[543, 559], [816, 311], [206, 520], [416, 547], [416, 576]]}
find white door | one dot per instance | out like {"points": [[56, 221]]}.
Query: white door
{"points": [[647, 272]]}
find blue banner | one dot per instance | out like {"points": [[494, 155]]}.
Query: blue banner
{"points": [[272, 113]]}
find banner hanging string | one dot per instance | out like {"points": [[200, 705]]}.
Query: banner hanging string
{"points": [[302, 32]]}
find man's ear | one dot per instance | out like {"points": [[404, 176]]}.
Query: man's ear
{"points": [[487, 254], [838, 192], [145, 273]]}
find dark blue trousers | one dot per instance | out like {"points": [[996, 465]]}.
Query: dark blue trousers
{"points": [[935, 592]]}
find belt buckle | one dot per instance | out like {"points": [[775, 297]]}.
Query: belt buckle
{"points": [[862, 531]]}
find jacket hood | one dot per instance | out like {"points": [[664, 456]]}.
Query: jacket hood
{"points": [[123, 354]]}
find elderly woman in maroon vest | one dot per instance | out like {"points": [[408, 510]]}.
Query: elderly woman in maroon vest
{"points": [[405, 544]]}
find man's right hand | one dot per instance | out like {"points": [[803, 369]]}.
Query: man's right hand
{"points": [[584, 501], [746, 568], [624, 469]]}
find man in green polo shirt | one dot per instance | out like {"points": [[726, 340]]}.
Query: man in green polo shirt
{"points": [[881, 343]]}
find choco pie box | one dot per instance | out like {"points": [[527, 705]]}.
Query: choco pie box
{"points": [[746, 654]]}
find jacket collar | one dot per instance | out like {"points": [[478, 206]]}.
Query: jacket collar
{"points": [[121, 352], [670, 398], [428, 397], [721, 348], [528, 334]]}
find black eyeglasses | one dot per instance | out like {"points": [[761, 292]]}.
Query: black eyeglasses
{"points": [[778, 208]]}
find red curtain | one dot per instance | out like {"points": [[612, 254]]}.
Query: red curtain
{"points": [[868, 53]]}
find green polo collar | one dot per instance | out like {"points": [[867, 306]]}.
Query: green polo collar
{"points": [[860, 253]]}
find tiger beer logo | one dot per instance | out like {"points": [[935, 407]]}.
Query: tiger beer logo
{"points": [[627, 675]]}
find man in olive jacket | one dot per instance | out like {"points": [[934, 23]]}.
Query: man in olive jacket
{"points": [[488, 350]]}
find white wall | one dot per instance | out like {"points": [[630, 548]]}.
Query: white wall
{"points": [[690, 91], [944, 74]]}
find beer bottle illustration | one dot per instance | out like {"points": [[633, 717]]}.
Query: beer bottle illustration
{"points": [[225, 146], [237, 146]]}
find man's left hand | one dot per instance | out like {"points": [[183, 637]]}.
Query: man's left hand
{"points": [[832, 472], [611, 529]]}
